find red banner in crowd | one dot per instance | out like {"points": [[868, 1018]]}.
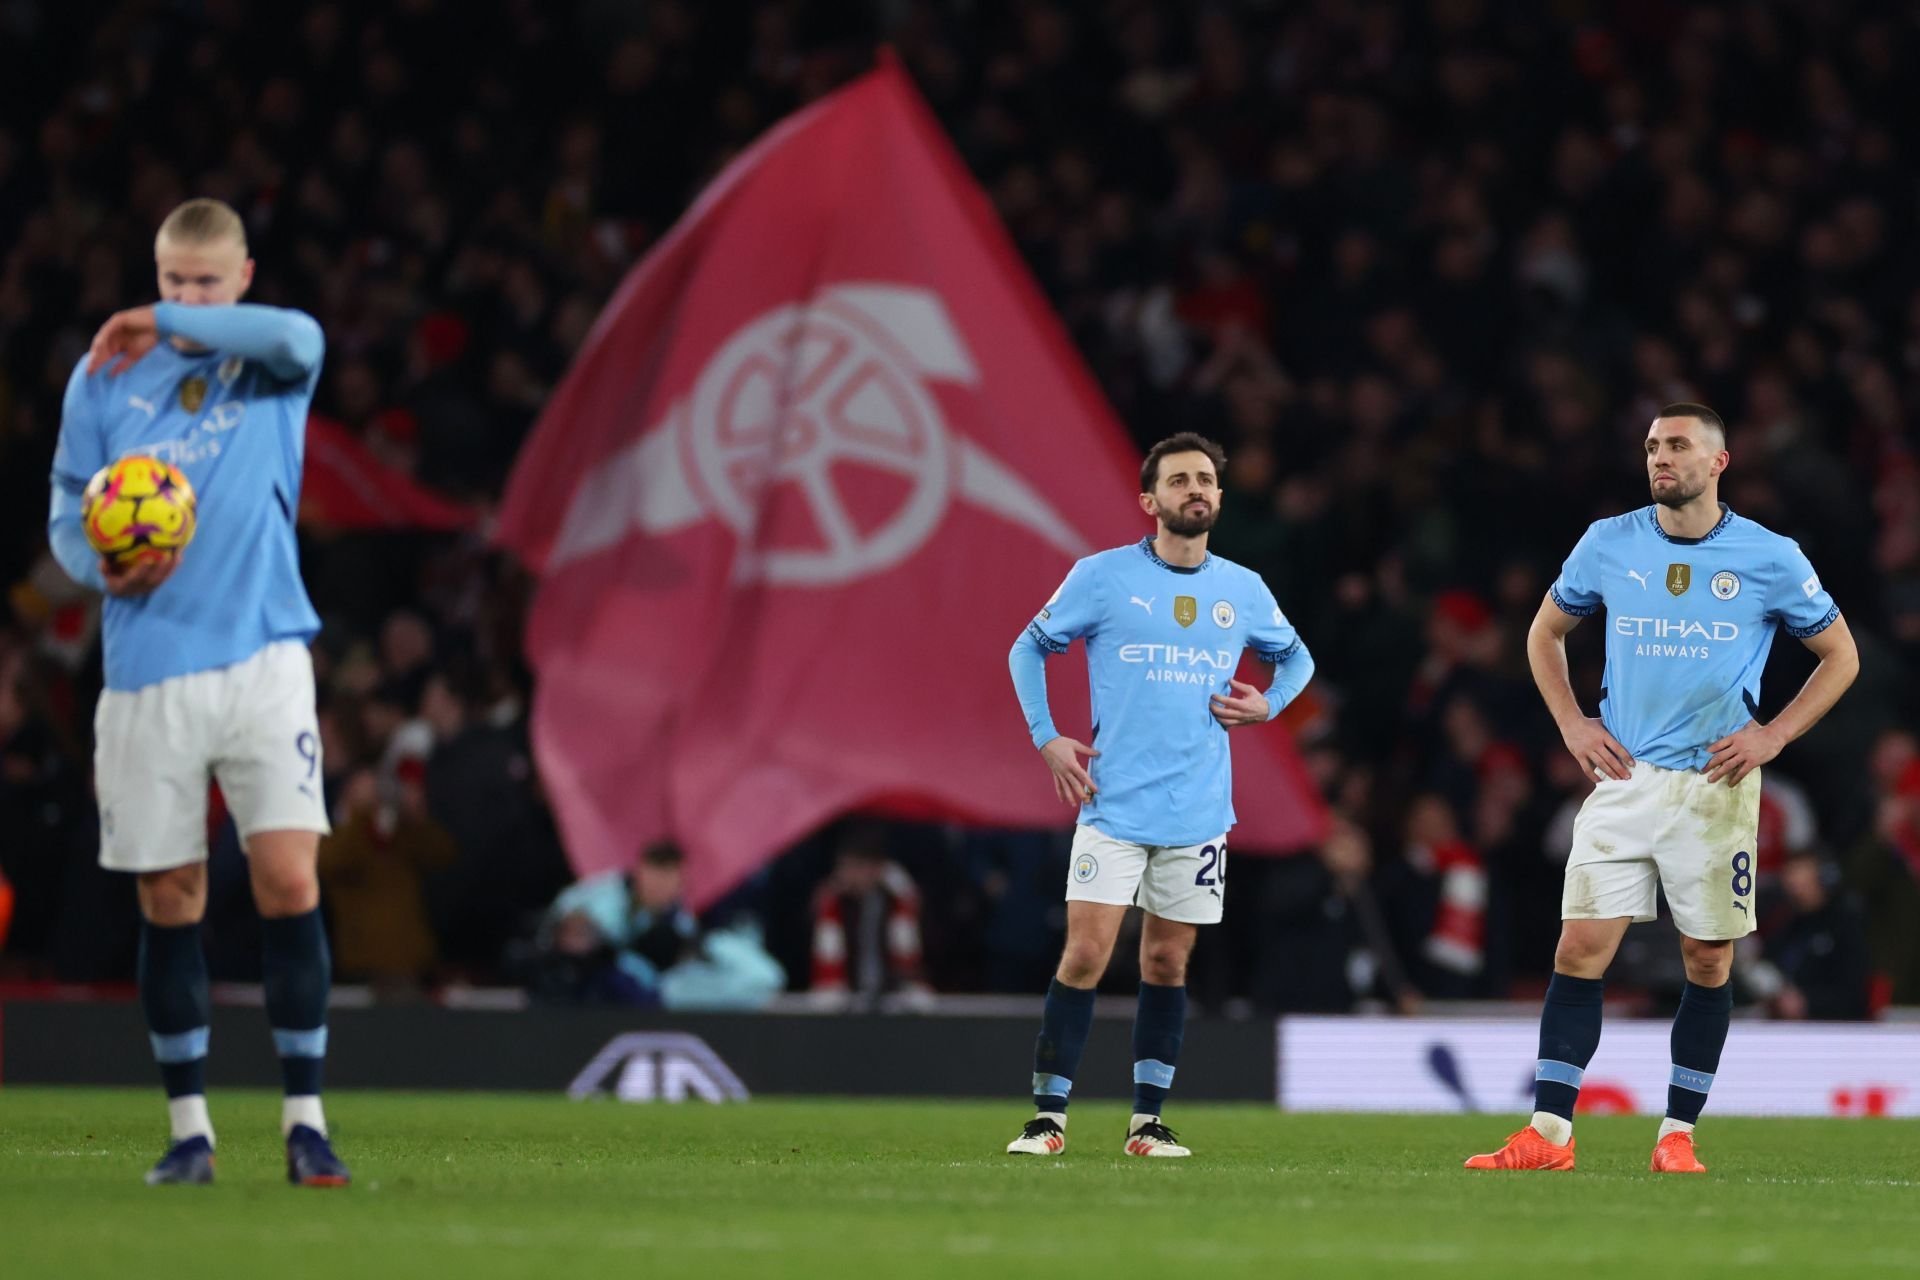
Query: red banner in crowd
{"points": [[343, 486], [822, 457]]}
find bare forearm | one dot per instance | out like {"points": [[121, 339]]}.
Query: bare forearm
{"points": [[1547, 656], [1816, 697]]}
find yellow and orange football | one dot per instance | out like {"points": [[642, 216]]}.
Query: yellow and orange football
{"points": [[138, 509]]}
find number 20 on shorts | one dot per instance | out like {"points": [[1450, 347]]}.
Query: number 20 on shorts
{"points": [[1214, 871]]}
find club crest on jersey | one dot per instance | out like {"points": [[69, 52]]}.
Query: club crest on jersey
{"points": [[229, 370], [1085, 867], [1679, 578], [193, 394], [1725, 585], [1185, 610], [1222, 614]]}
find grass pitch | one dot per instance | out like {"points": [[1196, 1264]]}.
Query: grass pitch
{"points": [[503, 1185]]}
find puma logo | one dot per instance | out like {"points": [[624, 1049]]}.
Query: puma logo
{"points": [[1146, 604], [137, 403], [1640, 578], [1741, 907]]}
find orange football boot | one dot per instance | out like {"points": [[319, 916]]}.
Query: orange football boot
{"points": [[1527, 1149], [1674, 1154]]}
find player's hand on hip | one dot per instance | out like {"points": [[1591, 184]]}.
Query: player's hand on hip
{"points": [[1741, 752], [140, 578], [1071, 782], [1247, 705], [122, 340], [1598, 752]]}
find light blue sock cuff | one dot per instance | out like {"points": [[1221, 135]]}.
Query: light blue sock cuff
{"points": [[181, 1046], [1558, 1072], [1154, 1072], [1688, 1078], [300, 1044], [1045, 1086]]}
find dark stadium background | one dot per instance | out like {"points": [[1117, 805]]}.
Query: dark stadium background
{"points": [[1253, 219]]}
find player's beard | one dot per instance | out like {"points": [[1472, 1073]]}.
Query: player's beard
{"points": [[1184, 523], [1677, 494]]}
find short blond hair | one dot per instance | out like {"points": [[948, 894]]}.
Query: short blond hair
{"points": [[203, 221]]}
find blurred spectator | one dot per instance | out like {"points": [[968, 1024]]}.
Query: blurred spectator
{"points": [[1787, 824], [1883, 868], [1820, 952], [1018, 875], [866, 923], [625, 938], [46, 855], [608, 939], [1314, 942], [481, 788], [384, 842], [1453, 880]]}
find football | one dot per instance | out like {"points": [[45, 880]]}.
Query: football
{"points": [[138, 509]]}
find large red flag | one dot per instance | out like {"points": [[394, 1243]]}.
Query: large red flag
{"points": [[820, 460]]}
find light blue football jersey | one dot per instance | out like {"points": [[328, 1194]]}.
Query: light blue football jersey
{"points": [[1689, 622], [234, 419], [1161, 640]]}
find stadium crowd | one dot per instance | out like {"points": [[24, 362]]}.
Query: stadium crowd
{"points": [[1425, 269]]}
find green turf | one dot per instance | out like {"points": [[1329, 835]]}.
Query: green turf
{"points": [[486, 1185]]}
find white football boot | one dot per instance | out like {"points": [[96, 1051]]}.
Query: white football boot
{"points": [[1146, 1136], [1044, 1135]]}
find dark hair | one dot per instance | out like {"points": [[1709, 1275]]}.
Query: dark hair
{"points": [[1183, 442], [1707, 417], [664, 854]]}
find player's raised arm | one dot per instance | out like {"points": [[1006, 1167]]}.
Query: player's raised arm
{"points": [[1585, 736], [288, 342]]}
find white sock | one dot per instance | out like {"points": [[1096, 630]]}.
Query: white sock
{"points": [[302, 1109], [1555, 1129], [189, 1117], [1670, 1125], [1058, 1117], [1133, 1125]]}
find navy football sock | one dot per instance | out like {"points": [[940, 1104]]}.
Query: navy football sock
{"points": [[173, 994], [1158, 1025], [1064, 1024], [1699, 1034], [297, 971], [1569, 1033]]}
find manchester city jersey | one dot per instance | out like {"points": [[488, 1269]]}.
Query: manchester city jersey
{"points": [[1161, 639], [238, 430], [1689, 622]]}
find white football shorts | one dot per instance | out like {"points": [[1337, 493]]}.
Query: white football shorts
{"points": [[1187, 883], [251, 725], [1674, 829]]}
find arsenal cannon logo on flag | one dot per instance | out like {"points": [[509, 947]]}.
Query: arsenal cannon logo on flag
{"points": [[816, 465]]}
